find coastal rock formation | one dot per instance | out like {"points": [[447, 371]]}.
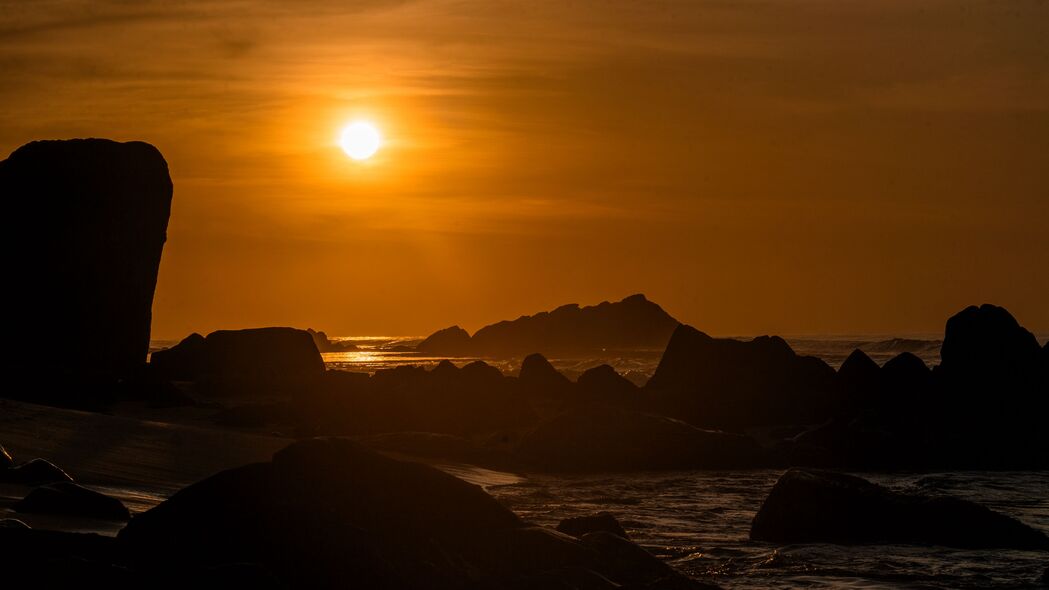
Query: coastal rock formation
{"points": [[35, 472], [453, 341], [633, 323], [539, 377], [599, 437], [326, 511], [581, 525], [73, 500], [603, 383], [94, 213], [822, 507], [725, 383], [320, 339], [253, 361]]}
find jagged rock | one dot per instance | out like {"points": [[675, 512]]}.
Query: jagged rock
{"points": [[70, 499], [727, 383], [253, 361], [320, 339], [94, 214], [581, 525], [633, 323], [35, 472], [634, 567], [453, 341], [859, 379], [598, 437], [822, 507], [326, 511]]}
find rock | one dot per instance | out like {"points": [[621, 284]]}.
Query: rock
{"points": [[6, 462], [320, 339], [70, 499], [36, 558], [598, 437], [325, 511], [35, 472], [632, 566], [453, 341], [602, 383], [253, 361], [859, 379], [581, 525], [725, 383], [986, 342], [94, 214], [539, 377], [633, 323], [822, 507], [13, 523]]}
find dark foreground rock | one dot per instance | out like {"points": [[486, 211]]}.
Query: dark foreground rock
{"points": [[808, 506], [93, 213], [6, 462], [256, 361], [605, 438], [582, 525], [72, 500], [33, 473], [326, 512]]}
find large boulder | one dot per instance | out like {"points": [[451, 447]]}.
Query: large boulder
{"points": [[539, 377], [86, 220], [600, 437], [258, 360], [822, 507], [859, 381], [72, 500], [726, 383], [603, 383], [326, 512]]}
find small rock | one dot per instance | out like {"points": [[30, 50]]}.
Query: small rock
{"points": [[581, 525], [33, 473], [71, 499]]}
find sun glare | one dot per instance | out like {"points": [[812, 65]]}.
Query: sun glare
{"points": [[360, 140]]}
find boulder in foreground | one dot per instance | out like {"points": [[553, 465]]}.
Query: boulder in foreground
{"points": [[581, 525], [89, 218], [326, 512], [807, 506]]}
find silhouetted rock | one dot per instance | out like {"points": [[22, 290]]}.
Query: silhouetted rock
{"points": [[859, 442], [13, 523], [453, 341], [6, 462], [88, 218], [70, 499], [326, 512], [633, 323], [320, 339], [823, 507], [581, 525], [259, 360], [604, 384], [35, 472], [907, 381], [598, 437], [859, 379], [539, 377], [728, 383]]}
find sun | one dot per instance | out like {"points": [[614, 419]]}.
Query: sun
{"points": [[360, 140]]}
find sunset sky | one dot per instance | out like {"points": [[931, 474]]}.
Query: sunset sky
{"points": [[755, 167]]}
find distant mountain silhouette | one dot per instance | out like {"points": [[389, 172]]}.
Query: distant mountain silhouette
{"points": [[633, 323], [85, 224]]}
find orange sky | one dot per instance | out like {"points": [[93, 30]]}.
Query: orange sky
{"points": [[755, 167]]}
